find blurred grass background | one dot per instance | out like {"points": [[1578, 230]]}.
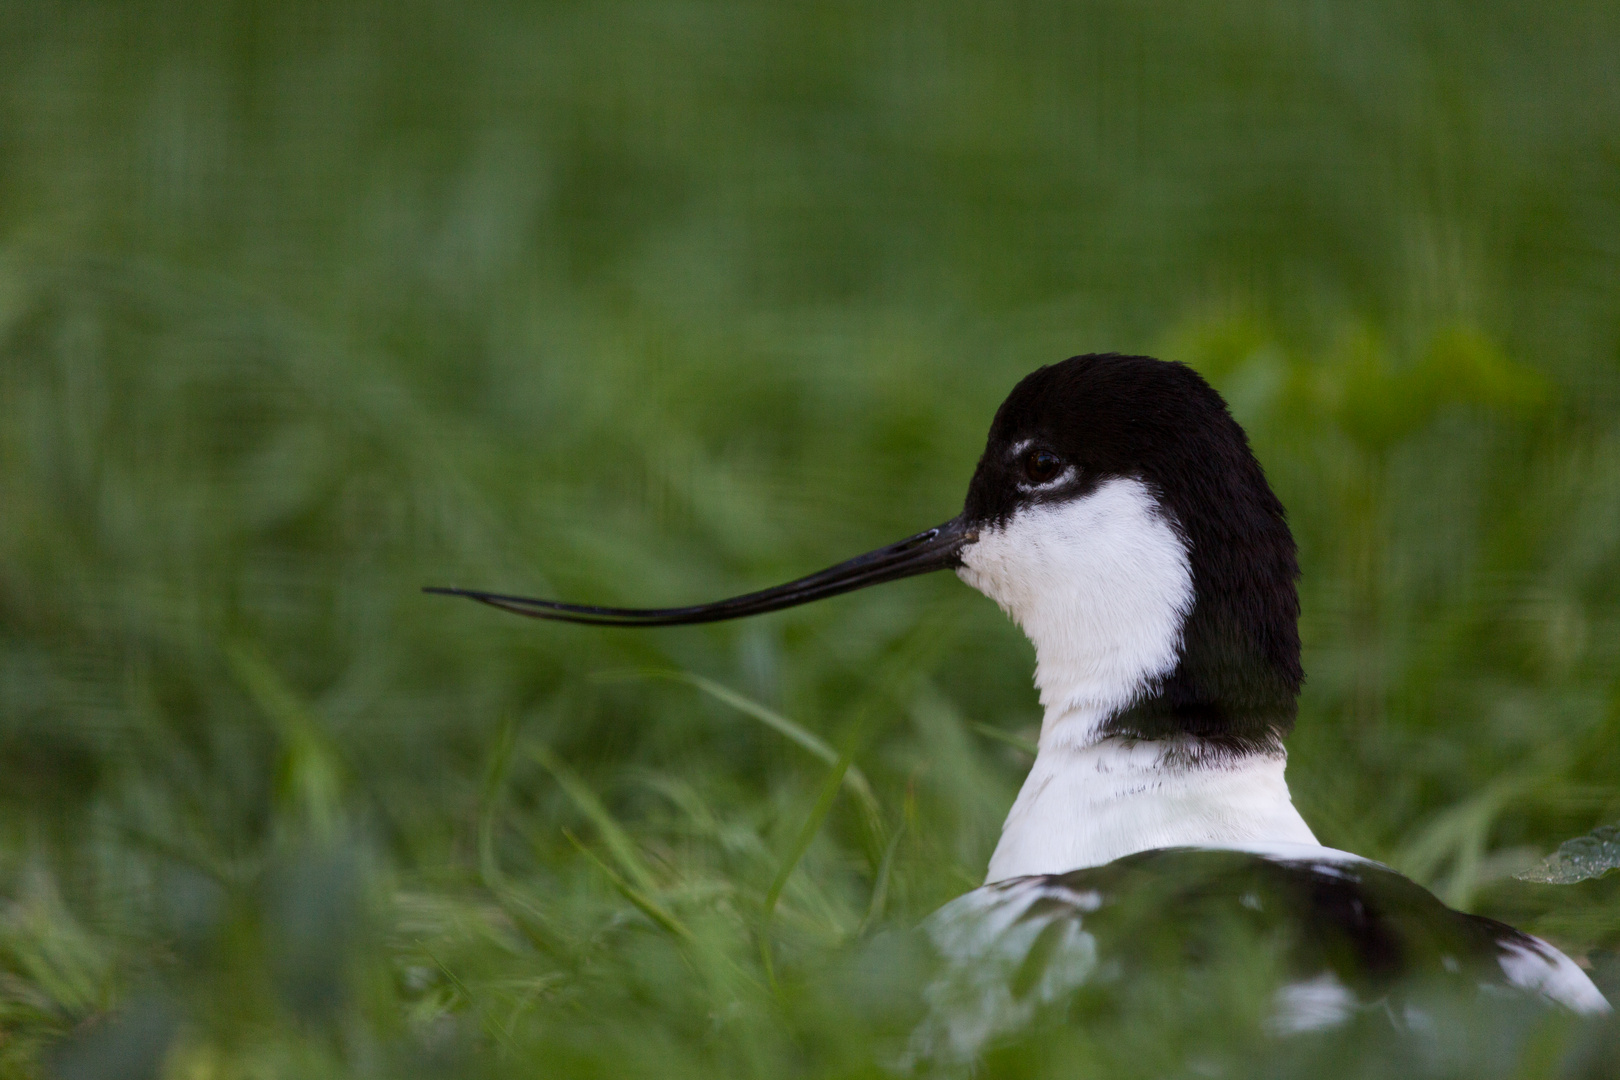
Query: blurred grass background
{"points": [[304, 306]]}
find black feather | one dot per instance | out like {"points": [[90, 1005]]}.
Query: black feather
{"points": [[1237, 683]]}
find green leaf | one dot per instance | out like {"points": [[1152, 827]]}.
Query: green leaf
{"points": [[1580, 859]]}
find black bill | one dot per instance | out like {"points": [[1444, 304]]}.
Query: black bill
{"points": [[938, 548]]}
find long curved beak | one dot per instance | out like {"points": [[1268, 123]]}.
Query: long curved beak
{"points": [[939, 548]]}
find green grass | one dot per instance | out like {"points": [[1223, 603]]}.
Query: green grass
{"points": [[306, 306]]}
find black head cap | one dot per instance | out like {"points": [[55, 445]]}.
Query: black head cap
{"points": [[1091, 418]]}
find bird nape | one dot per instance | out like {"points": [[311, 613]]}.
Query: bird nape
{"points": [[1118, 515]]}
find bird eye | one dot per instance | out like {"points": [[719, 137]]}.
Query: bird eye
{"points": [[1041, 466]]}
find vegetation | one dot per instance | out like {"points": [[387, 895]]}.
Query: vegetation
{"points": [[305, 306]]}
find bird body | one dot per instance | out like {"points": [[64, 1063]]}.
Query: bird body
{"points": [[1118, 516], [1351, 933]]}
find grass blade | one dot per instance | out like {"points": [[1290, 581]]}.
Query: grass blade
{"points": [[647, 905], [880, 886], [788, 728], [311, 769], [534, 924], [500, 762], [1017, 742], [811, 826], [618, 842]]}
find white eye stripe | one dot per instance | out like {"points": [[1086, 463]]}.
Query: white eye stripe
{"points": [[1061, 478]]}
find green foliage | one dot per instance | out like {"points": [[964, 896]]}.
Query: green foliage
{"points": [[1580, 859], [305, 306]]}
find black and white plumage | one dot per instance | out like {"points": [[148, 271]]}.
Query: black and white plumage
{"points": [[1120, 518], [1351, 934]]}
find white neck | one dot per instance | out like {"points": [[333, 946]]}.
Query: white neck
{"points": [[1102, 585], [1088, 805]]}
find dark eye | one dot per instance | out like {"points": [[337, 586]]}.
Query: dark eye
{"points": [[1041, 465]]}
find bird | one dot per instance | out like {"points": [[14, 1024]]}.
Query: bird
{"points": [[1119, 516]]}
